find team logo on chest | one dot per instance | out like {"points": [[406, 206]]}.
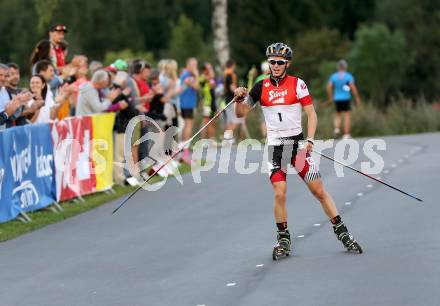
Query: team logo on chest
{"points": [[276, 96]]}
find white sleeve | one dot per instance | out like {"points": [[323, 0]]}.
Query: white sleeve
{"points": [[301, 89], [302, 93]]}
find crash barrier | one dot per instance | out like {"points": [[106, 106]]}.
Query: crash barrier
{"points": [[43, 164]]}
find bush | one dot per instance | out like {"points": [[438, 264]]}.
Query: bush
{"points": [[313, 47], [405, 117], [400, 117], [379, 59], [187, 41], [315, 53]]}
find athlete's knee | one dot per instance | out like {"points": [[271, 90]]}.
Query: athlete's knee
{"points": [[280, 199], [280, 193]]}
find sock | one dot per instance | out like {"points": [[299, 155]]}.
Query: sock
{"points": [[336, 220], [282, 226]]}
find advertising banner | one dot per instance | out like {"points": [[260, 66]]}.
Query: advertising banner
{"points": [[103, 149], [72, 141], [27, 180]]}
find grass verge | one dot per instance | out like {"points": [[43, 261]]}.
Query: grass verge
{"points": [[43, 217]]}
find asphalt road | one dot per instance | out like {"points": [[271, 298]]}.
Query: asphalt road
{"points": [[211, 243]]}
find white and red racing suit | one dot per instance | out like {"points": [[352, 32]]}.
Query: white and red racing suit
{"points": [[282, 102]]}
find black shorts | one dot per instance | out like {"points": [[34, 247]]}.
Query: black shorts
{"points": [[187, 113], [282, 155], [342, 106]]}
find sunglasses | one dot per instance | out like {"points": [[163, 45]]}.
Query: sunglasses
{"points": [[60, 28], [279, 62]]}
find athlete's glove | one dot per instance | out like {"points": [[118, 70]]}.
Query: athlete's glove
{"points": [[240, 94]]}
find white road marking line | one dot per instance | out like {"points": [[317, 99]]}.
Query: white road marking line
{"points": [[201, 305], [400, 160], [231, 284], [317, 224], [369, 186], [260, 265], [394, 165], [386, 171], [360, 194], [347, 203], [300, 236]]}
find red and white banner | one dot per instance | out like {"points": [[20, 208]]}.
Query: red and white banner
{"points": [[74, 169]]}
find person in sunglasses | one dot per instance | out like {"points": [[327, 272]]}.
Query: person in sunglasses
{"points": [[282, 98]]}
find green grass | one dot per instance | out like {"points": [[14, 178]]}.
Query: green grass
{"points": [[41, 218]]}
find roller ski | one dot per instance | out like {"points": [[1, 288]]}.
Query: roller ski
{"points": [[282, 248], [346, 238]]}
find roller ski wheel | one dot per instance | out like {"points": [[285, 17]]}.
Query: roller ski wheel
{"points": [[346, 238], [354, 247], [282, 248], [279, 252]]}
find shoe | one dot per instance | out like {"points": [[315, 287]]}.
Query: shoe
{"points": [[186, 156], [346, 238], [283, 238], [133, 181], [283, 245], [346, 136]]}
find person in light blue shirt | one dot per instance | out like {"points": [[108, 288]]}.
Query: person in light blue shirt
{"points": [[340, 88], [188, 101]]}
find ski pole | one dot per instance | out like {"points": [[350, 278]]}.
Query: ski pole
{"points": [[369, 176], [183, 146]]}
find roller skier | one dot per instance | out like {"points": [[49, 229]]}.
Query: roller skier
{"points": [[282, 98]]}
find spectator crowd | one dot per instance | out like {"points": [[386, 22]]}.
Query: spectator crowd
{"points": [[60, 88]]}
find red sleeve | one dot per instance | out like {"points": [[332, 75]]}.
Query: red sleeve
{"points": [[307, 100]]}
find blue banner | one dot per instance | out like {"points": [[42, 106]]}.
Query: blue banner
{"points": [[27, 172]]}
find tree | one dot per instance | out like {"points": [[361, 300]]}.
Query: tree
{"points": [[420, 23], [18, 35], [379, 59], [45, 10], [314, 47], [187, 41], [220, 30]]}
